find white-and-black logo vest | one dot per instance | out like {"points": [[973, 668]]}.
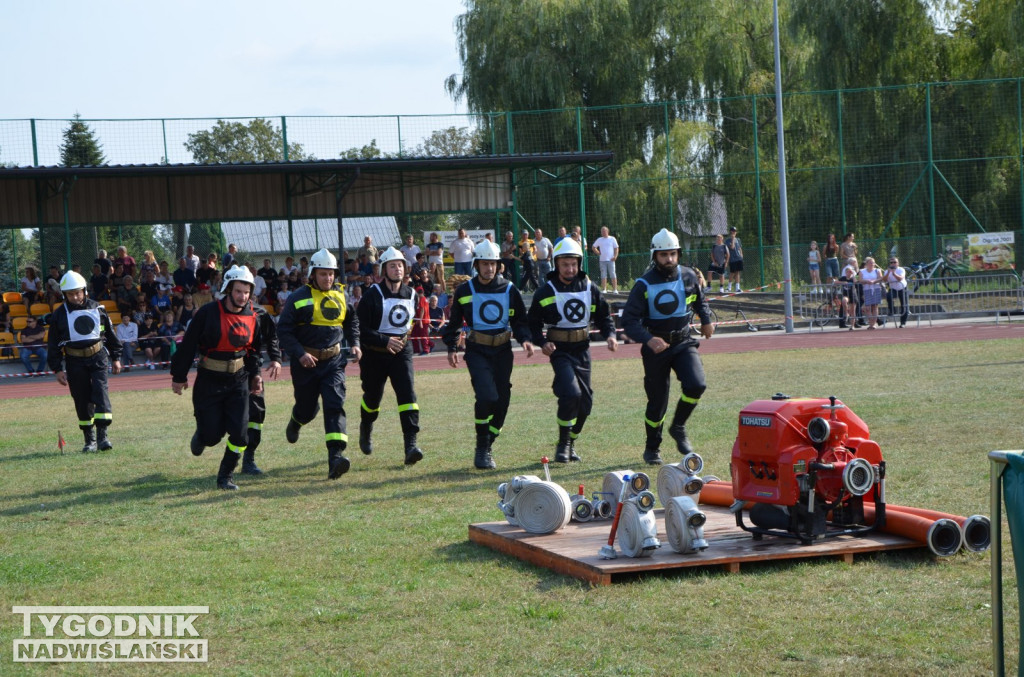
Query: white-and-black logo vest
{"points": [[84, 325], [573, 307]]}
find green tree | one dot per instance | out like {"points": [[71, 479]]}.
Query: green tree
{"points": [[258, 141], [79, 148]]}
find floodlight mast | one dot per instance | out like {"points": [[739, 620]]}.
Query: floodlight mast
{"points": [[787, 278]]}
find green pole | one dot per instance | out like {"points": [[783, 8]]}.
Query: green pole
{"points": [[668, 169], [14, 250], [582, 189], [842, 164], [757, 189], [163, 127], [931, 169], [67, 224], [1020, 157], [284, 138], [398, 125], [35, 144]]}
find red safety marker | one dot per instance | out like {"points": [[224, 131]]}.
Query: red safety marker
{"points": [[547, 473]]}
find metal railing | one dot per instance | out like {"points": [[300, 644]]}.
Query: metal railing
{"points": [[997, 295], [999, 462]]}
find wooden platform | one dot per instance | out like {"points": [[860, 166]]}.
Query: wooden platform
{"points": [[574, 550]]}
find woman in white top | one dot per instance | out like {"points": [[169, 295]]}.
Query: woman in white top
{"points": [[871, 278], [896, 277]]}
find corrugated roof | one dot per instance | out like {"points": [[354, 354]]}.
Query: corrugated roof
{"points": [[260, 239], [181, 193]]}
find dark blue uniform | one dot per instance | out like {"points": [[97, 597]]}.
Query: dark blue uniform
{"points": [[494, 313], [567, 311], [315, 322], [663, 306], [77, 337]]}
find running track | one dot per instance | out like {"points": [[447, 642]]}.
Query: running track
{"points": [[940, 332]]}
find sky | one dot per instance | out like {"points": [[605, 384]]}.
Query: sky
{"points": [[111, 59]]}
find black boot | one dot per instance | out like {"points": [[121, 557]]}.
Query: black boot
{"points": [[225, 476], [573, 456], [101, 438], [563, 448], [291, 433], [413, 454], [678, 433], [249, 466], [90, 439], [652, 456], [482, 459], [366, 437], [652, 452], [337, 464], [196, 444]]}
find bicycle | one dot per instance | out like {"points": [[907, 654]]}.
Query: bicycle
{"points": [[939, 270]]}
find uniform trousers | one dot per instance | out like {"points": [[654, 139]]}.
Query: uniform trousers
{"points": [[87, 381]]}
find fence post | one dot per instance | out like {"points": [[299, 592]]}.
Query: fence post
{"points": [[931, 168], [668, 169], [842, 159], [757, 188], [35, 144], [284, 138], [999, 461]]}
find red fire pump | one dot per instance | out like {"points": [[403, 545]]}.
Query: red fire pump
{"points": [[802, 467]]}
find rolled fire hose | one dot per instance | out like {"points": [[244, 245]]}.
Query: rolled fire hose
{"points": [[684, 524], [674, 480], [537, 506], [638, 530], [977, 529], [943, 536], [612, 483]]}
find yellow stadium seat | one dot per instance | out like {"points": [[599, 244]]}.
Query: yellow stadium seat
{"points": [[19, 310], [109, 305], [115, 318], [12, 297], [7, 338], [39, 309], [270, 308], [19, 323]]}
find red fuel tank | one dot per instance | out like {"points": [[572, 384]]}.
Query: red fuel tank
{"points": [[774, 448]]}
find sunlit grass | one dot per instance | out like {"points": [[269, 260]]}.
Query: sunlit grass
{"points": [[374, 574]]}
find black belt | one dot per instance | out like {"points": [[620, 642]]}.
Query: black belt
{"points": [[673, 337]]}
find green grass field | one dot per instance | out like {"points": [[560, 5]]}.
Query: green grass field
{"points": [[374, 573]]}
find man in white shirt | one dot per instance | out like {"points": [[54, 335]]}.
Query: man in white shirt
{"points": [[409, 250], [191, 259], [607, 249], [259, 285], [462, 253], [544, 249]]}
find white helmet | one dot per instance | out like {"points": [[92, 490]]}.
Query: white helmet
{"points": [[391, 254], [568, 247], [237, 274], [486, 251], [323, 259], [664, 240], [72, 281]]}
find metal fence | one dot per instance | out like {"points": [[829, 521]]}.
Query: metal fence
{"points": [[995, 295], [897, 165]]}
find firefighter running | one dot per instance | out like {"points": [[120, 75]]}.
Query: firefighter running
{"points": [[79, 331], [657, 315], [226, 334], [311, 326], [386, 316], [493, 309], [566, 305]]}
